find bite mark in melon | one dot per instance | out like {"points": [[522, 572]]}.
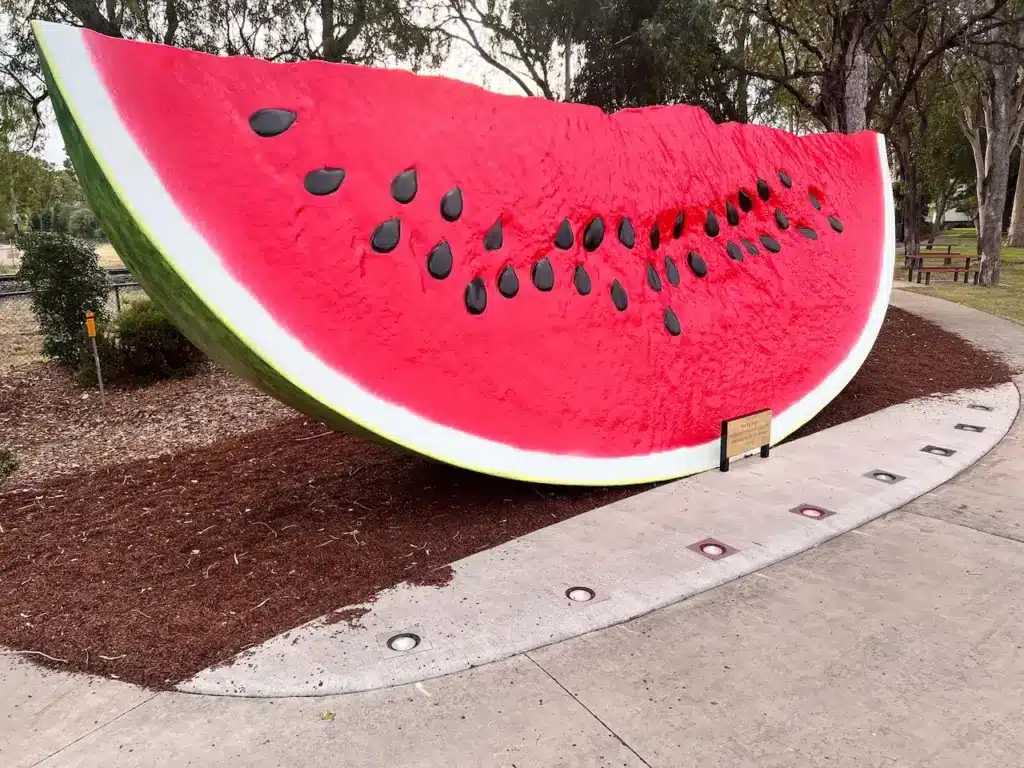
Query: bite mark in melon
{"points": [[526, 288]]}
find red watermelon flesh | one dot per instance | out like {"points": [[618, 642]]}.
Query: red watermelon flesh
{"points": [[503, 341]]}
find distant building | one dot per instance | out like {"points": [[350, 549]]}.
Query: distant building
{"points": [[955, 218]]}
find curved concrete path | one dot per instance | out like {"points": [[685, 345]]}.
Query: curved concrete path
{"points": [[901, 643], [636, 556]]}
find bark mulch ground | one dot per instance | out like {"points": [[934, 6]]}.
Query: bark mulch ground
{"points": [[55, 427], [153, 569]]}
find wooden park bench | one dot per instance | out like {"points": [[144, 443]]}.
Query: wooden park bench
{"points": [[950, 262]]}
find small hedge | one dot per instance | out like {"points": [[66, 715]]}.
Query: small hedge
{"points": [[139, 348], [66, 281]]}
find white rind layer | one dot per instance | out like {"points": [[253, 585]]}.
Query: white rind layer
{"points": [[141, 192]]}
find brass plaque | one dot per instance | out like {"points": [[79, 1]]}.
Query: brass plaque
{"points": [[747, 433]]}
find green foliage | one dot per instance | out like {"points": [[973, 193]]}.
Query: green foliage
{"points": [[137, 349], [39, 194], [646, 52], [66, 282], [8, 464], [152, 347]]}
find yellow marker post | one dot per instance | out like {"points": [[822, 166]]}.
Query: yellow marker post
{"points": [[90, 329]]}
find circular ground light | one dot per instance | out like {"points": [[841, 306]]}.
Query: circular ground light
{"points": [[712, 550], [580, 594], [812, 512], [404, 642], [884, 477]]}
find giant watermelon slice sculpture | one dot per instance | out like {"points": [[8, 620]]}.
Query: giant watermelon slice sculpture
{"points": [[524, 288]]}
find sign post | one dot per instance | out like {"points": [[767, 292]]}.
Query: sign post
{"points": [[745, 434], [90, 328]]}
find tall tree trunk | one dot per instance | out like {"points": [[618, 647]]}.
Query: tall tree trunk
{"points": [[743, 81], [940, 215], [327, 41], [911, 195], [1016, 235], [855, 93], [568, 59], [1000, 125]]}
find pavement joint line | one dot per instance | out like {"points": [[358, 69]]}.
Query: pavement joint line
{"points": [[588, 710], [964, 525], [98, 728]]}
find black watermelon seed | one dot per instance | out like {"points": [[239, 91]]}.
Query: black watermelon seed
{"points": [[746, 204], [626, 234], [543, 275], [786, 181], [564, 238], [837, 225], [655, 237], [439, 262], [581, 280], [731, 214], [672, 322], [386, 236], [476, 296], [271, 122], [762, 190], [494, 238], [807, 232], [677, 227], [711, 225], [751, 248], [815, 202], [619, 297], [652, 277], [770, 243], [324, 181], [734, 251], [508, 282], [697, 265], [593, 235], [781, 219], [451, 205], [671, 271], [404, 186]]}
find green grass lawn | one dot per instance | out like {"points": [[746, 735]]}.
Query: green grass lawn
{"points": [[1006, 300]]}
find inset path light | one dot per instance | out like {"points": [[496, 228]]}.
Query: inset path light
{"points": [[580, 594], [811, 512], [936, 450], [979, 407], [404, 642], [969, 428], [713, 549], [883, 476]]}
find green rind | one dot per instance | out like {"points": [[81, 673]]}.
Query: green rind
{"points": [[166, 288]]}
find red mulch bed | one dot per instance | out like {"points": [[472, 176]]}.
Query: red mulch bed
{"points": [[154, 569]]}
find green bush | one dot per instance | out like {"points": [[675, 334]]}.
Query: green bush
{"points": [[140, 347], [152, 347], [8, 463], [66, 281]]}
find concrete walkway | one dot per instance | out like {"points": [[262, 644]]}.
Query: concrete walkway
{"points": [[899, 644]]}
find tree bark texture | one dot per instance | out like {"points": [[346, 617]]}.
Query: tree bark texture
{"points": [[1015, 237], [911, 195], [940, 214]]}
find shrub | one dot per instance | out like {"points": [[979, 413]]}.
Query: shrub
{"points": [[8, 463], [140, 347], [66, 281], [151, 347]]}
